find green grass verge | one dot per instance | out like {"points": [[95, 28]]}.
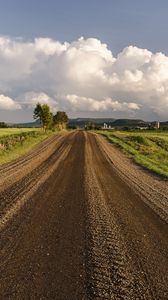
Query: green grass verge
{"points": [[19, 142], [147, 148]]}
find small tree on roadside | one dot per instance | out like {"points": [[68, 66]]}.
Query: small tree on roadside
{"points": [[43, 113], [38, 113], [90, 126], [46, 116], [60, 120], [51, 121]]}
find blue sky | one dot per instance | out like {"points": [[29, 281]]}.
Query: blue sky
{"points": [[118, 23], [118, 69]]}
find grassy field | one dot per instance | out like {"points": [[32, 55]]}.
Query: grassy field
{"points": [[147, 148], [11, 131], [15, 142]]}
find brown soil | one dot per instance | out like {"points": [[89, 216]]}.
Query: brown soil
{"points": [[80, 221]]}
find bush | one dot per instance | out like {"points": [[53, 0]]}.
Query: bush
{"points": [[137, 139]]}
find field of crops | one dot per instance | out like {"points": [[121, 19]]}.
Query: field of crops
{"points": [[148, 148]]}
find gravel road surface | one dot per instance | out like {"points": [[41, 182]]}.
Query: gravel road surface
{"points": [[79, 221]]}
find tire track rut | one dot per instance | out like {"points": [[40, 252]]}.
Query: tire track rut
{"points": [[14, 171], [11, 198], [152, 189], [7, 167]]}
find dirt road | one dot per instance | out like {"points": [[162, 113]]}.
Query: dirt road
{"points": [[80, 221]]}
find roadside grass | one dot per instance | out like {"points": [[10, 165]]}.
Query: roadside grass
{"points": [[18, 142], [147, 148]]}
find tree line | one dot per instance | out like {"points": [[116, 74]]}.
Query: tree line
{"points": [[47, 119], [3, 125]]}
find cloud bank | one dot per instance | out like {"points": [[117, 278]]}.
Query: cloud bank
{"points": [[83, 76]]}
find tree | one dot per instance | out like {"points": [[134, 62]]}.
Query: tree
{"points": [[46, 116], [3, 125], [61, 119], [43, 113], [90, 126], [38, 112]]}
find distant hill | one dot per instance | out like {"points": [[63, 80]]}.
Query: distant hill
{"points": [[82, 122], [78, 122], [116, 123], [165, 124], [35, 124], [129, 123]]}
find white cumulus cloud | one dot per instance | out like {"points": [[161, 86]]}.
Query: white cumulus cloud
{"points": [[30, 99], [83, 104], [83, 76], [7, 103]]}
